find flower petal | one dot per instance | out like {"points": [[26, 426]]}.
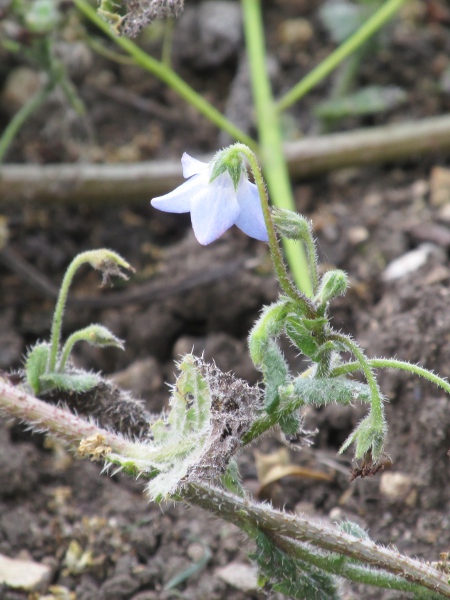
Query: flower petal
{"points": [[250, 219], [214, 210], [191, 166], [179, 201]]}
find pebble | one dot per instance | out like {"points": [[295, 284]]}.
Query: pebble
{"points": [[239, 575], [295, 33], [142, 377], [398, 487], [409, 262], [24, 574], [357, 235], [20, 85], [439, 186]]}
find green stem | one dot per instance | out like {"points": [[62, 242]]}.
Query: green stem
{"points": [[21, 116], [60, 306], [67, 349], [384, 363], [364, 364], [167, 75], [370, 27], [273, 161], [286, 284]]}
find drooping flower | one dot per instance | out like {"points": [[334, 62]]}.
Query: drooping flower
{"points": [[218, 195]]}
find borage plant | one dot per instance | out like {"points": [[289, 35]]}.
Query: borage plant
{"points": [[188, 454]]}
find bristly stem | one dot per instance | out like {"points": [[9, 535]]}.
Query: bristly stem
{"points": [[275, 251], [167, 75], [364, 365], [386, 363], [232, 509], [370, 27], [71, 429]]}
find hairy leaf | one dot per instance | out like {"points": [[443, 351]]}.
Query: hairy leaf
{"points": [[293, 577], [321, 391], [35, 365]]}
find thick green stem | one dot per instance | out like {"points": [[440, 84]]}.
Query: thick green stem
{"points": [[371, 26], [286, 284], [167, 75], [273, 161], [21, 116], [384, 363]]}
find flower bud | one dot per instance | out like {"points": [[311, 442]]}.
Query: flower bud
{"points": [[291, 225], [333, 284], [42, 16]]}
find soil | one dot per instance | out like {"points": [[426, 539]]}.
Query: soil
{"points": [[363, 220]]}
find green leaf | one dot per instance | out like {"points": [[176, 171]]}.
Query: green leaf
{"points": [[301, 336], [269, 325], [70, 382], [367, 101], [179, 441], [368, 436], [322, 391], [342, 18], [231, 479], [353, 529], [276, 374], [35, 366], [293, 577]]}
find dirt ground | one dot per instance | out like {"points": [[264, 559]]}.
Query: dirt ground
{"points": [[99, 534]]}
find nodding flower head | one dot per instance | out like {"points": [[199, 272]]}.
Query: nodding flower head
{"points": [[218, 195]]}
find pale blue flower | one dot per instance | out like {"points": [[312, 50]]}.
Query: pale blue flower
{"points": [[215, 205]]}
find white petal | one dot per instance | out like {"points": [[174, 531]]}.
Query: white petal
{"points": [[191, 166], [179, 201], [214, 210], [251, 219]]}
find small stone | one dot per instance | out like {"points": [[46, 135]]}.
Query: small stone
{"points": [[409, 262], [196, 551], [239, 575], [295, 33], [24, 574], [142, 377], [398, 487], [21, 84], [439, 186], [357, 235]]}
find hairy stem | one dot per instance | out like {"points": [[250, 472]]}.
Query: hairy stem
{"points": [[334, 563], [271, 521], [385, 363], [364, 365], [275, 251], [72, 429]]}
